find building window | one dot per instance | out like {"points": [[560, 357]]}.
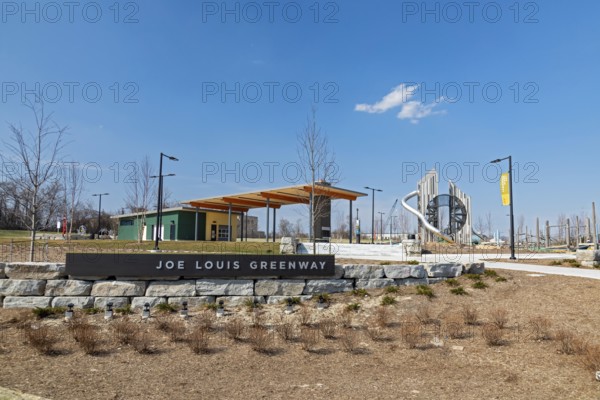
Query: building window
{"points": [[126, 222], [223, 233]]}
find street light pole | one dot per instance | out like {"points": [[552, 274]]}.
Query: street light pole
{"points": [[99, 195], [512, 216], [159, 206], [373, 212], [381, 214]]}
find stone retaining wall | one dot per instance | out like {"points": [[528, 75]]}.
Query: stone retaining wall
{"points": [[32, 285]]}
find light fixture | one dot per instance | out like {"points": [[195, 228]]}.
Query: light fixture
{"points": [[221, 309], [108, 313], [146, 311], [69, 312], [184, 310], [290, 306]]}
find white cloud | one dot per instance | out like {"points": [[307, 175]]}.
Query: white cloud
{"points": [[401, 96]]}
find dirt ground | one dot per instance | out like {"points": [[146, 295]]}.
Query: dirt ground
{"points": [[383, 366]]}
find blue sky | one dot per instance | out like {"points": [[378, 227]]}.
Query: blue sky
{"points": [[396, 84]]}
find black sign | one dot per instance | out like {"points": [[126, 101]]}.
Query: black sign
{"points": [[198, 265]]}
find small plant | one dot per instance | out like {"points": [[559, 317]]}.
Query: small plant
{"points": [[459, 291], [124, 330], [500, 279], [353, 307], [591, 358], [376, 333], [388, 300], [492, 334], [572, 262], [455, 327], [425, 290], [142, 343], [211, 306], [473, 277], [452, 282], [295, 300], [499, 317], [412, 262], [251, 304], [198, 340], [540, 328], [570, 343], [392, 289], [350, 341], [206, 319], [555, 262], [165, 308], [479, 285], [86, 335], [382, 317], [235, 328], [326, 297], [309, 339], [92, 311], [176, 330], [260, 339], [44, 312], [344, 319], [385, 263], [305, 315], [470, 315], [360, 292], [328, 328], [286, 329], [490, 273], [423, 315], [125, 310], [40, 337]]}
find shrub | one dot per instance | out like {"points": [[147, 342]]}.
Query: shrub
{"points": [[176, 330], [44, 312], [412, 262], [470, 315], [344, 319], [572, 262], [305, 315], [540, 328], [360, 292], [382, 317], [492, 334], [328, 328], [411, 334], [92, 311], [251, 304], [350, 341], [285, 329], [392, 289], [571, 344], [455, 327], [425, 290], [235, 328], [141, 342], [86, 335], [353, 307], [125, 310], [500, 279], [206, 319], [452, 282], [473, 277], [591, 358], [211, 306], [325, 296], [198, 340], [499, 317], [555, 262], [165, 308], [479, 285], [295, 300], [376, 333], [309, 339], [459, 291], [40, 337], [490, 273], [388, 300], [385, 263], [260, 339], [124, 330], [423, 315]]}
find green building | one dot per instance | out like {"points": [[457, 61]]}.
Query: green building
{"points": [[178, 223]]}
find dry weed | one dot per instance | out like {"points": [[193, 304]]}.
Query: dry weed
{"points": [[470, 315], [305, 315], [198, 340], [286, 328], [235, 328], [350, 341], [141, 341], [455, 327], [590, 359], [328, 328], [492, 334], [571, 343], [124, 330], [540, 328], [260, 339], [309, 338], [499, 317], [87, 337], [382, 317], [40, 337]]}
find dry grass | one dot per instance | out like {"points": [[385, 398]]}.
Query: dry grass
{"points": [[286, 328], [570, 343], [141, 342], [382, 317], [470, 315], [492, 334], [328, 327], [350, 341], [235, 328], [499, 317], [198, 340], [424, 315], [590, 359], [454, 326], [260, 339], [412, 332], [87, 337], [541, 328], [40, 337], [305, 315], [344, 318], [309, 339], [206, 319], [124, 330]]}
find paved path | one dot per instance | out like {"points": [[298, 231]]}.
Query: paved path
{"points": [[542, 269]]}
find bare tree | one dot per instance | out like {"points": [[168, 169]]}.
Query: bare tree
{"points": [[489, 223], [141, 194], [480, 226], [286, 228], [318, 164], [37, 153], [561, 221], [73, 187]]}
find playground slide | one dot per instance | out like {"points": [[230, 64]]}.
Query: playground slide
{"points": [[422, 218]]}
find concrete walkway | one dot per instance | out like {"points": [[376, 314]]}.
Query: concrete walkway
{"points": [[546, 270]]}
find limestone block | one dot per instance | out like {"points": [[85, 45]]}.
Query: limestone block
{"points": [[185, 288], [26, 302], [118, 302], [78, 301], [374, 283], [316, 286], [197, 301], [119, 288], [35, 270], [354, 271], [279, 287], [443, 270], [404, 271], [22, 287], [237, 301], [224, 287], [138, 302], [68, 287]]}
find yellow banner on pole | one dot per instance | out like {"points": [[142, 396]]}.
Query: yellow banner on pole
{"points": [[505, 189]]}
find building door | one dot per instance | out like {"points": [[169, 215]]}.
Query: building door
{"points": [[172, 232], [213, 233]]}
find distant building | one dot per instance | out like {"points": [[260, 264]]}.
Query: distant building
{"points": [[250, 227], [178, 223]]}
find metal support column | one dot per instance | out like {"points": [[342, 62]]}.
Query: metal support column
{"points": [[229, 224], [274, 223], [267, 225], [242, 226], [350, 225], [196, 226]]}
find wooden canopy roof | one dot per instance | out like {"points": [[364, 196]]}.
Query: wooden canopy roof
{"points": [[274, 198]]}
